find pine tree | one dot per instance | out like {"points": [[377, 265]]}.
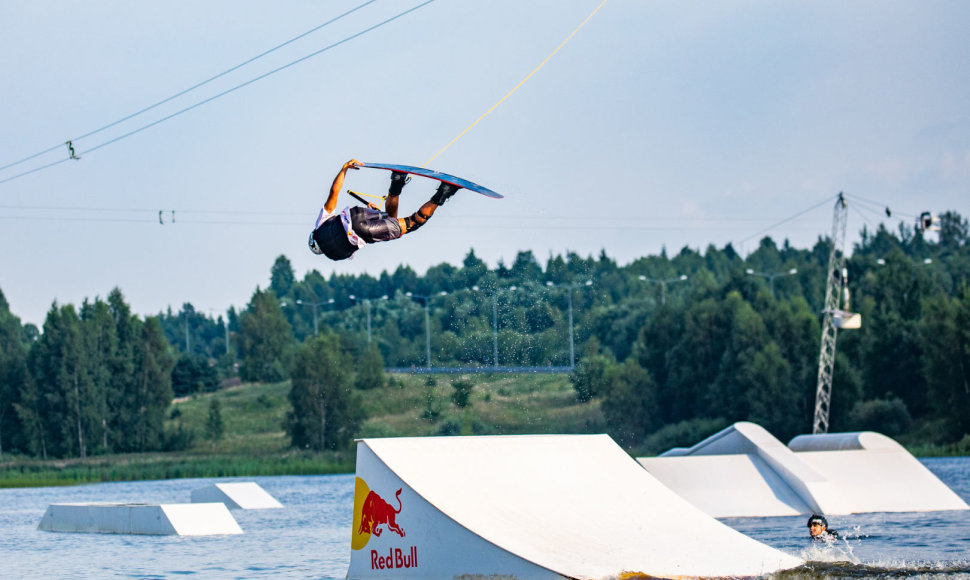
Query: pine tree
{"points": [[154, 362], [214, 427], [13, 375], [326, 410], [122, 392], [265, 337]]}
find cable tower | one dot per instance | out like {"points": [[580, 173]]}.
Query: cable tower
{"points": [[836, 295]]}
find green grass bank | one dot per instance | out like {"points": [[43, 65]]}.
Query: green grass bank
{"points": [[254, 443]]}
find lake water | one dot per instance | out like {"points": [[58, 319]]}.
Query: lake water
{"points": [[310, 538]]}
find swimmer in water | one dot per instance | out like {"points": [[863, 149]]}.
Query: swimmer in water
{"points": [[819, 530]]}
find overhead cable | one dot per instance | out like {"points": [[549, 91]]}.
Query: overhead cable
{"points": [[788, 219], [228, 91], [186, 91]]}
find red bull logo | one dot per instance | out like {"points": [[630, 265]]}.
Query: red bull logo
{"points": [[376, 513], [373, 515]]}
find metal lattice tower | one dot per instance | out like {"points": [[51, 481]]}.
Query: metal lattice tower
{"points": [[833, 295]]}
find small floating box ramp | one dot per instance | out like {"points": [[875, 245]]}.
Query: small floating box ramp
{"points": [[183, 519], [544, 506], [246, 495]]}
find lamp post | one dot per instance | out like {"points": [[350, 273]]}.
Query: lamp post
{"points": [[663, 284], [570, 287], [771, 277], [186, 311], [366, 302], [495, 321], [427, 319], [315, 305]]}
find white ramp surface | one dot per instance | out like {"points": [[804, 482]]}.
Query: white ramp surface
{"points": [[875, 473], [183, 519], [245, 495], [744, 471], [544, 506], [724, 486]]}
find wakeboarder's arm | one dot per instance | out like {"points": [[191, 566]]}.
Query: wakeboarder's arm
{"points": [[338, 183]]}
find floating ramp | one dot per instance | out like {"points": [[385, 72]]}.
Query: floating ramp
{"points": [[874, 473], [185, 519], [246, 495], [744, 471], [544, 506]]}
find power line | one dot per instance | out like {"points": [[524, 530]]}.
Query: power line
{"points": [[858, 210], [786, 220], [882, 207], [231, 90], [190, 89], [487, 217], [147, 209]]}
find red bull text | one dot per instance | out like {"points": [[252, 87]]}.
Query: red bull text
{"points": [[395, 559]]}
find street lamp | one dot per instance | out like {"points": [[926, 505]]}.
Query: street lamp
{"points": [[572, 348], [495, 322], [366, 302], [926, 261], [771, 277], [315, 305], [427, 319], [663, 284]]}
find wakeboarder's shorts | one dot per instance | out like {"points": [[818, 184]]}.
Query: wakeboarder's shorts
{"points": [[374, 226]]}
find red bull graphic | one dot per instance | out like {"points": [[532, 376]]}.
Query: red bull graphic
{"points": [[376, 512], [372, 516]]}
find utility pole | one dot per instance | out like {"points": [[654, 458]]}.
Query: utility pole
{"points": [[495, 294], [836, 292], [663, 284], [570, 287], [427, 319]]}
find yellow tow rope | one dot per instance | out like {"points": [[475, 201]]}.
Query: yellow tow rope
{"points": [[516, 87]]}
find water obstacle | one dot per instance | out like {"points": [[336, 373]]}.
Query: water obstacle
{"points": [[187, 519], [532, 506], [245, 495], [744, 471]]}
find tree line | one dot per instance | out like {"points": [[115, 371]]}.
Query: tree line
{"points": [[667, 345], [96, 380]]}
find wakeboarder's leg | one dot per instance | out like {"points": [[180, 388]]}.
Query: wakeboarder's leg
{"points": [[398, 179], [424, 213]]}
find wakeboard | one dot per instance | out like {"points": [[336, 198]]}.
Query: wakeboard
{"points": [[445, 177]]}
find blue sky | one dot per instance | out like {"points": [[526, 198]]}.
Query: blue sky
{"points": [[660, 124]]}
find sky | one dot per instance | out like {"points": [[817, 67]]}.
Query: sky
{"points": [[660, 125]]}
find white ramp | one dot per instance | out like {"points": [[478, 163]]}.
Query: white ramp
{"points": [[245, 495], [548, 506], [744, 471], [875, 473], [725, 486], [185, 519]]}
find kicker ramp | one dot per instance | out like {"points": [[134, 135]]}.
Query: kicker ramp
{"points": [[744, 471], [244, 495], [182, 519], [874, 473], [533, 506]]}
